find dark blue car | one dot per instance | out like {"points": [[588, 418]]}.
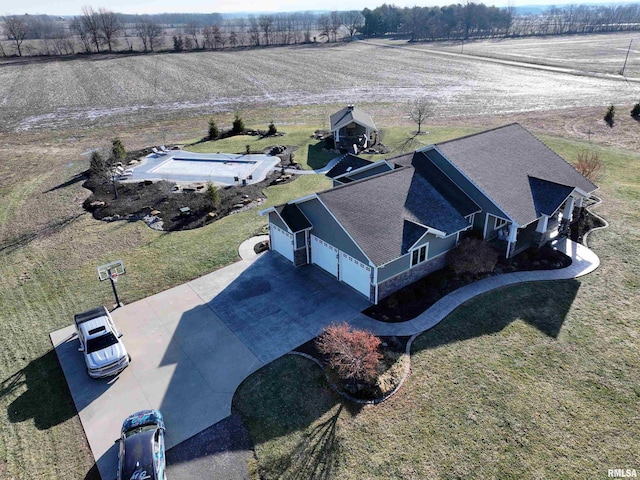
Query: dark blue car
{"points": [[141, 454]]}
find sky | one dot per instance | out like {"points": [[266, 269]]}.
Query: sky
{"points": [[74, 7]]}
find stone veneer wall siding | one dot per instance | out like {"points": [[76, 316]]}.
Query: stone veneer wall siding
{"points": [[396, 283], [300, 256]]}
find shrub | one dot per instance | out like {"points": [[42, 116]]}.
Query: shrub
{"points": [[272, 129], [178, 44], [635, 111], [238, 124], [212, 195], [472, 257], [590, 165], [353, 354], [609, 116], [214, 131], [118, 152]]}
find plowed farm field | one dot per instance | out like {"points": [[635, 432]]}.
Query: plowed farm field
{"points": [[102, 90]]}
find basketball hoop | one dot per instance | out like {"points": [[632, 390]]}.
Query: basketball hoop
{"points": [[114, 276]]}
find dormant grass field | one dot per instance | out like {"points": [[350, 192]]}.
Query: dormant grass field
{"points": [[100, 90], [49, 248]]}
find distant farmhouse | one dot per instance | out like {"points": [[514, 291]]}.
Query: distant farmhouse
{"points": [[385, 224], [353, 128]]}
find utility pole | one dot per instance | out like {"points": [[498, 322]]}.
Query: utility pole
{"points": [[626, 58]]}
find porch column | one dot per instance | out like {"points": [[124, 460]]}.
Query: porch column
{"points": [[543, 223], [579, 202], [567, 214], [336, 136], [511, 240]]}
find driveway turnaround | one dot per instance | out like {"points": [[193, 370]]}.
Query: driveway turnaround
{"points": [[192, 345]]}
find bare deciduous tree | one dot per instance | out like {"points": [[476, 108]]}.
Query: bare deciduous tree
{"points": [[15, 28], [91, 25], [109, 25], [266, 24], [420, 109], [590, 165], [149, 32], [353, 20], [192, 28], [79, 28]]}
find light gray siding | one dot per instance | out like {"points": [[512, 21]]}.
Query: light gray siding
{"points": [[440, 245], [326, 228], [394, 268]]}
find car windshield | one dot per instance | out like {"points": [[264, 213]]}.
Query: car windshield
{"points": [[137, 430], [98, 343]]}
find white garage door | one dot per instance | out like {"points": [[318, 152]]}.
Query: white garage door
{"points": [[324, 255], [355, 273], [281, 241]]}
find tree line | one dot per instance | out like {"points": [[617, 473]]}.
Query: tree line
{"points": [[476, 20], [97, 31]]}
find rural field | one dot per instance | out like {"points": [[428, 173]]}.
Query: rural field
{"points": [[596, 53], [101, 90], [488, 383]]}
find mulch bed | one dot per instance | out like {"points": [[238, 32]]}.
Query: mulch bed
{"points": [[136, 201], [396, 344], [412, 300]]}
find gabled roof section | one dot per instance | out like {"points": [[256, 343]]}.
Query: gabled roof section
{"points": [[501, 161], [375, 212], [548, 196], [351, 114], [454, 194], [347, 164], [411, 233], [293, 217]]}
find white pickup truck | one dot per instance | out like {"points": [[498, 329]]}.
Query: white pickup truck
{"points": [[104, 353]]}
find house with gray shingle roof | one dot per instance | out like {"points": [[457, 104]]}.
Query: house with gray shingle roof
{"points": [[352, 126], [386, 224]]}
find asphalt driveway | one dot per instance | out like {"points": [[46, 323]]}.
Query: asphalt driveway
{"points": [[194, 344]]}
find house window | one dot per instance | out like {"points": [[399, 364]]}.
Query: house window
{"points": [[500, 222], [419, 255]]}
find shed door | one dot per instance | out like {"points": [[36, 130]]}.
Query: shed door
{"points": [[281, 241], [355, 273], [324, 255]]}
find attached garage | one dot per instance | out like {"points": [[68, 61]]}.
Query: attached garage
{"points": [[324, 255], [355, 273], [281, 241]]}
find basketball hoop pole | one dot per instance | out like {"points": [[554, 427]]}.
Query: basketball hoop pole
{"points": [[115, 292]]}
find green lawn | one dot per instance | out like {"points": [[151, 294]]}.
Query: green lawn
{"points": [[50, 248], [533, 381]]}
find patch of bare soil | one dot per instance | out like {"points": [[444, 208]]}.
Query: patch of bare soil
{"points": [[163, 206]]}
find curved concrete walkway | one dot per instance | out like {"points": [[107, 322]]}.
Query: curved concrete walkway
{"points": [[320, 171], [583, 261]]}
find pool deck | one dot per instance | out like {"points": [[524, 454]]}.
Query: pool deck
{"points": [[219, 168]]}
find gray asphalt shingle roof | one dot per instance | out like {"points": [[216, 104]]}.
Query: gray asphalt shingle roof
{"points": [[293, 217], [375, 212], [346, 164], [351, 114], [548, 196], [501, 161]]}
